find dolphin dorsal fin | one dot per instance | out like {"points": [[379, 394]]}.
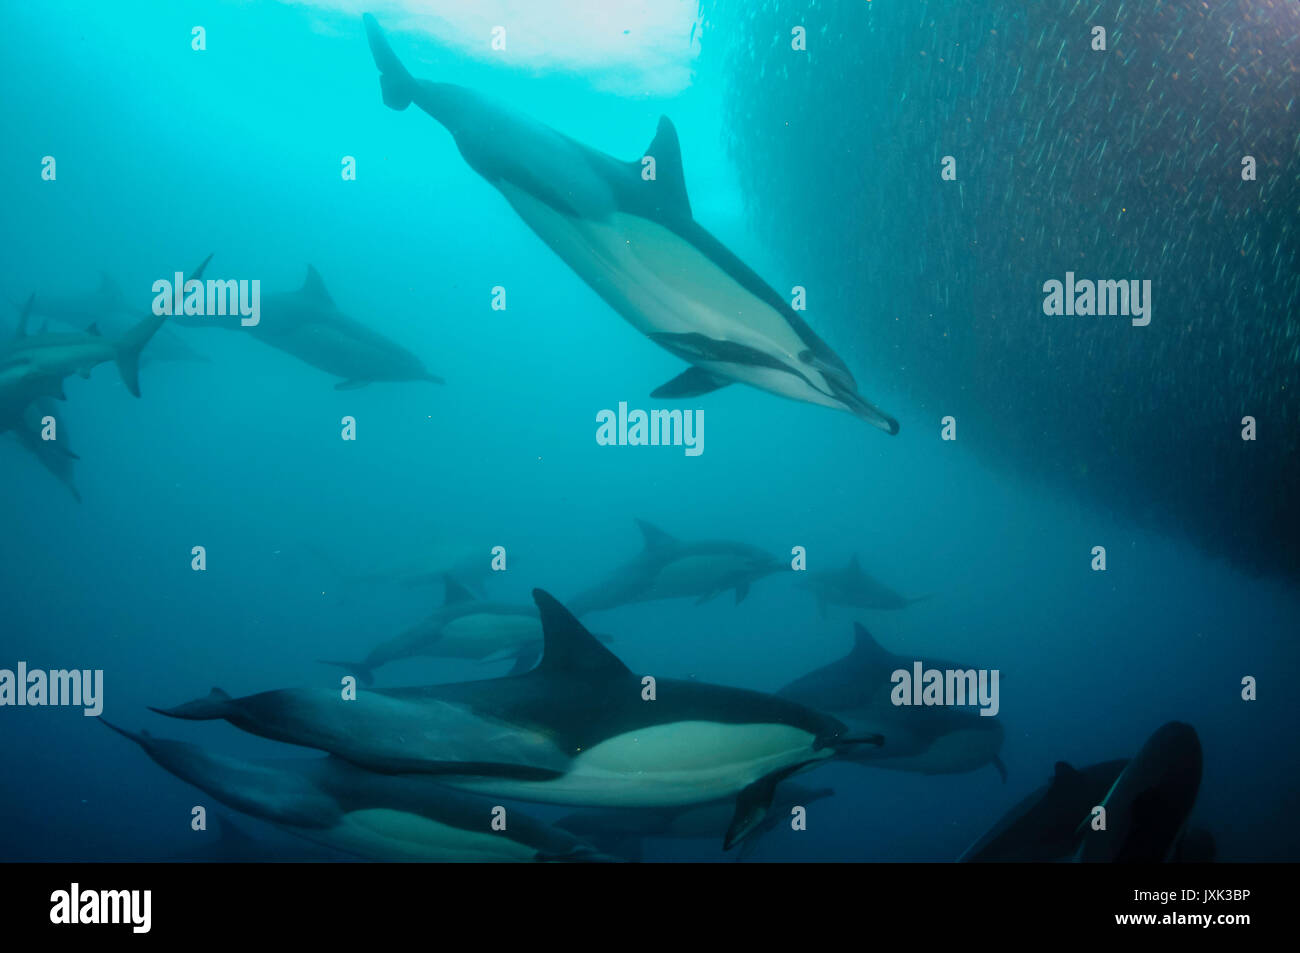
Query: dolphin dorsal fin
{"points": [[669, 181], [655, 538], [567, 646], [314, 287], [865, 645], [453, 593], [1063, 770], [94, 329]]}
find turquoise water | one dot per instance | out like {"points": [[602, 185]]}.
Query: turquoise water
{"points": [[820, 170]]}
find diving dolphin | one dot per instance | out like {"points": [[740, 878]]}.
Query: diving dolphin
{"points": [[668, 568], [53, 455], [620, 831], [107, 308], [1044, 826], [1148, 805], [464, 627], [308, 325], [375, 816], [851, 587], [633, 239], [576, 729], [926, 739]]}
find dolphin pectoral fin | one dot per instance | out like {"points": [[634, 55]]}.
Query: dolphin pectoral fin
{"points": [[752, 805], [690, 383], [350, 385], [1001, 768], [742, 590], [396, 84]]}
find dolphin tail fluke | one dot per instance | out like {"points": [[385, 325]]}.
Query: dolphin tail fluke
{"points": [[214, 706], [398, 86], [365, 675], [129, 347]]}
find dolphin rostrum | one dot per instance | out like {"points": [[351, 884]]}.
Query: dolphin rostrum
{"points": [[375, 816], [668, 568], [925, 739], [576, 729], [633, 239], [308, 325]]}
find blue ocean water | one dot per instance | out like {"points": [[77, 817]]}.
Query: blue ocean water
{"points": [[166, 153]]}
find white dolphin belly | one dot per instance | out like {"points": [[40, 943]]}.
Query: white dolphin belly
{"points": [[661, 284], [686, 762]]}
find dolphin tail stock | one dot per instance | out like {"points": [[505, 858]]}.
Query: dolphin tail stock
{"points": [[215, 705], [397, 85], [364, 673], [132, 342]]}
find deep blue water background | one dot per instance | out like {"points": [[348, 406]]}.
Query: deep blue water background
{"points": [[165, 154]]}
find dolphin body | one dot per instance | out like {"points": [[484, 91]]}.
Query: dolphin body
{"points": [[375, 816], [53, 455], [574, 730], [620, 831], [851, 587], [464, 627], [1148, 805], [107, 308], [1044, 826], [668, 568], [308, 325], [635, 242], [924, 739]]}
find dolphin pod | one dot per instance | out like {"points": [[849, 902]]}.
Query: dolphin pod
{"points": [[575, 730], [636, 243]]}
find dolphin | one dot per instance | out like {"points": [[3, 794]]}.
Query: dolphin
{"points": [[469, 569], [308, 325], [375, 816], [667, 568], [620, 831], [852, 587], [107, 308], [464, 627], [1148, 805], [633, 239], [1044, 826], [53, 455], [924, 739], [576, 729]]}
